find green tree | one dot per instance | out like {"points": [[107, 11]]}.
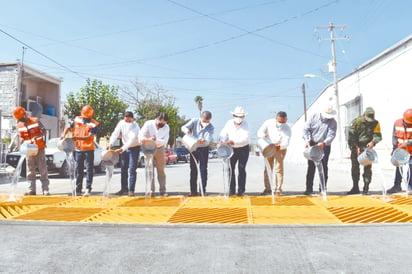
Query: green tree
{"points": [[199, 102], [104, 99], [148, 101], [150, 107]]}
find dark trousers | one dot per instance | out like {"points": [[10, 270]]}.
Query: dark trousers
{"points": [[310, 174], [200, 155], [240, 156], [80, 157], [355, 171], [398, 176], [128, 164]]}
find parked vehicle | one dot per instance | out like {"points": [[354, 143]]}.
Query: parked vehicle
{"points": [[56, 159], [182, 154], [170, 157]]}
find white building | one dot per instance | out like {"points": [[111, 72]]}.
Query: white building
{"points": [[382, 83]]}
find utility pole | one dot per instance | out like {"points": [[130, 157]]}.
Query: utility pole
{"points": [[19, 98], [332, 39], [304, 100]]}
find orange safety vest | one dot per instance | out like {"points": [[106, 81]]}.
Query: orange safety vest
{"points": [[403, 134], [82, 130], [31, 133]]}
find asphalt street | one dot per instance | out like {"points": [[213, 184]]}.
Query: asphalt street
{"points": [[59, 247]]}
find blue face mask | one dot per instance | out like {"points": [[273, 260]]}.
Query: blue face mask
{"points": [[280, 125]]}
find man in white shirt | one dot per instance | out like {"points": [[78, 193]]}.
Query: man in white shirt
{"points": [[236, 134], [128, 129], [279, 133], [202, 130], [158, 131]]}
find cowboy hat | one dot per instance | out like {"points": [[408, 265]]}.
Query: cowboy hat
{"points": [[328, 112], [239, 111]]}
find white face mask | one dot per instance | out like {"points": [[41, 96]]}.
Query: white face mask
{"points": [[238, 120], [204, 124]]}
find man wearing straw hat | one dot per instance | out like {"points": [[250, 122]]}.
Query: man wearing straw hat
{"points": [[402, 138], [202, 130], [364, 132], [236, 134], [319, 130], [279, 133]]}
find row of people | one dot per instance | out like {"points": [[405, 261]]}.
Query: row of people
{"points": [[320, 130], [364, 132]]}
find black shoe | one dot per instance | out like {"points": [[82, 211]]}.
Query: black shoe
{"points": [[266, 192], [395, 189], [192, 194], [308, 192], [353, 191], [30, 193], [122, 192], [241, 194]]}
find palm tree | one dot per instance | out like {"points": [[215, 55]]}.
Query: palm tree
{"points": [[199, 102]]}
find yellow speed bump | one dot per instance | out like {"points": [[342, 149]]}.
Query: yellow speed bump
{"points": [[211, 209]]}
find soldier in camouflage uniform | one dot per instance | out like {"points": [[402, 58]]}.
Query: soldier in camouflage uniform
{"points": [[364, 132]]}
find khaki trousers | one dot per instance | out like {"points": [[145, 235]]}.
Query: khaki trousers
{"points": [[38, 161], [279, 156], [159, 162]]}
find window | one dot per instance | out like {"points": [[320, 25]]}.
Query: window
{"points": [[353, 110]]}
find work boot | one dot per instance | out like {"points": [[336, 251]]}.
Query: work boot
{"points": [[395, 189], [353, 191], [355, 188], [365, 190]]}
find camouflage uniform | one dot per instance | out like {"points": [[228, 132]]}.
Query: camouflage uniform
{"points": [[362, 131]]}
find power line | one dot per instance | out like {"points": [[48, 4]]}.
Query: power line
{"points": [[169, 22], [132, 61], [41, 54], [243, 29]]}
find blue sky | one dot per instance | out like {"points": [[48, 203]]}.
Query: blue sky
{"points": [[233, 52]]}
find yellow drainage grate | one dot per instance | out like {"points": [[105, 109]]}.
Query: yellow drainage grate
{"points": [[12, 210], [148, 215], [370, 215], [156, 202], [292, 215], [212, 209], [210, 215], [348, 201], [220, 201], [59, 214], [399, 200], [281, 201], [37, 200], [93, 201]]}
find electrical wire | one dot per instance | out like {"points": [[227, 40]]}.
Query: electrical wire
{"points": [[43, 55]]}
